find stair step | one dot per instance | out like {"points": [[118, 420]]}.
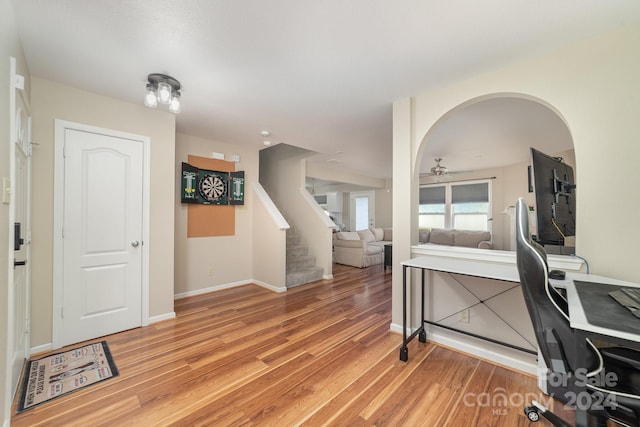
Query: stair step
{"points": [[297, 263], [297, 250], [305, 276], [301, 267], [294, 239]]}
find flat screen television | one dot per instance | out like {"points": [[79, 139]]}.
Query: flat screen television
{"points": [[555, 194]]}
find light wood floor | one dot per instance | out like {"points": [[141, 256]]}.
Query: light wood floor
{"points": [[319, 354]]}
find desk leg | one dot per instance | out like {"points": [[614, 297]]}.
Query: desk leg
{"points": [[404, 351], [583, 398], [423, 334]]}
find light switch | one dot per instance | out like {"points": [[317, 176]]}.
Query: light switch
{"points": [[6, 190]]}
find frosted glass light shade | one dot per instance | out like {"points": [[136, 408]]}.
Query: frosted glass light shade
{"points": [[163, 89], [150, 99], [174, 105], [164, 93]]}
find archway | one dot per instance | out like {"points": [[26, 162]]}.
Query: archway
{"points": [[489, 137]]}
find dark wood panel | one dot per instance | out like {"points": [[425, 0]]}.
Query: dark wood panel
{"points": [[319, 354]]}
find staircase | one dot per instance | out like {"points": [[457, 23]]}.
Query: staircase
{"points": [[301, 267]]}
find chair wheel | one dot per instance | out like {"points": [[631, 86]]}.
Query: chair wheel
{"points": [[532, 413]]}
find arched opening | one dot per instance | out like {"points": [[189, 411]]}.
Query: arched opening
{"points": [[488, 140]]}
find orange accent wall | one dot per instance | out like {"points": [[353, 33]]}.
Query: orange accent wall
{"points": [[211, 220]]}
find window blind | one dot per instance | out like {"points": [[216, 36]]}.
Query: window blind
{"points": [[470, 193], [432, 195]]}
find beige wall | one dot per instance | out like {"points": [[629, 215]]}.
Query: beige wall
{"points": [[282, 174], [51, 101], [592, 85], [508, 184], [384, 206], [316, 170], [10, 46], [383, 193], [229, 257], [269, 247]]}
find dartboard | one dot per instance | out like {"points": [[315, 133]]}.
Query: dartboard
{"points": [[212, 187]]}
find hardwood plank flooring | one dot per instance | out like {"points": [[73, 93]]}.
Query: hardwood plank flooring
{"points": [[319, 354]]}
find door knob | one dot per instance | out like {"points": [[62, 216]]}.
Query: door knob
{"points": [[135, 243]]}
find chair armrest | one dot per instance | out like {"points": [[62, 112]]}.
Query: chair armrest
{"points": [[485, 244], [349, 243]]}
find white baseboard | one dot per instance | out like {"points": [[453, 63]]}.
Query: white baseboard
{"points": [[45, 348], [161, 317], [273, 288], [231, 285], [210, 289], [327, 276], [42, 348], [497, 353]]}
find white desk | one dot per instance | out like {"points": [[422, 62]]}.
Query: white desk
{"points": [[584, 329], [505, 271], [577, 315]]}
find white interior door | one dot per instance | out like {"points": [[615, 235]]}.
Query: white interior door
{"points": [[362, 210], [102, 235], [20, 218]]}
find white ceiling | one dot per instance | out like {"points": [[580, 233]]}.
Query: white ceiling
{"points": [[494, 133], [321, 75]]}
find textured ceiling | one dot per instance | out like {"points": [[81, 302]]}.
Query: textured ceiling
{"points": [[321, 75]]}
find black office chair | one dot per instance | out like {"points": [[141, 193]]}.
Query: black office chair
{"points": [[549, 314]]}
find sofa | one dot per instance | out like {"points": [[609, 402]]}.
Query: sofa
{"points": [[464, 238], [361, 248], [366, 247]]}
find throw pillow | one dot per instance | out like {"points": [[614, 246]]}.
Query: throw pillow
{"points": [[378, 233], [366, 235], [471, 239], [348, 235], [440, 236]]}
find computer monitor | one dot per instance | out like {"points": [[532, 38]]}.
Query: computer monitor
{"points": [[555, 195]]}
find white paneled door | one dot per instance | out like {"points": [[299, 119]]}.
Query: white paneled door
{"points": [[102, 234], [20, 223]]}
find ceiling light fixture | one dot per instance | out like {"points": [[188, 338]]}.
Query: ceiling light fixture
{"points": [[163, 89]]}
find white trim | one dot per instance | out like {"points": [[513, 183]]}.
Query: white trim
{"points": [[320, 213], [42, 348], [161, 317], [327, 276], [514, 359], [58, 208], [230, 285], [271, 208], [563, 262], [10, 312], [146, 227], [211, 289], [278, 289]]}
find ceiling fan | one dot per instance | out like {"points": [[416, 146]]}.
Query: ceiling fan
{"points": [[441, 170]]}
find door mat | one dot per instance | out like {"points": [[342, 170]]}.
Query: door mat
{"points": [[62, 373]]}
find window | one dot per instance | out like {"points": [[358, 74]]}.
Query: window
{"points": [[432, 207], [464, 206]]}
